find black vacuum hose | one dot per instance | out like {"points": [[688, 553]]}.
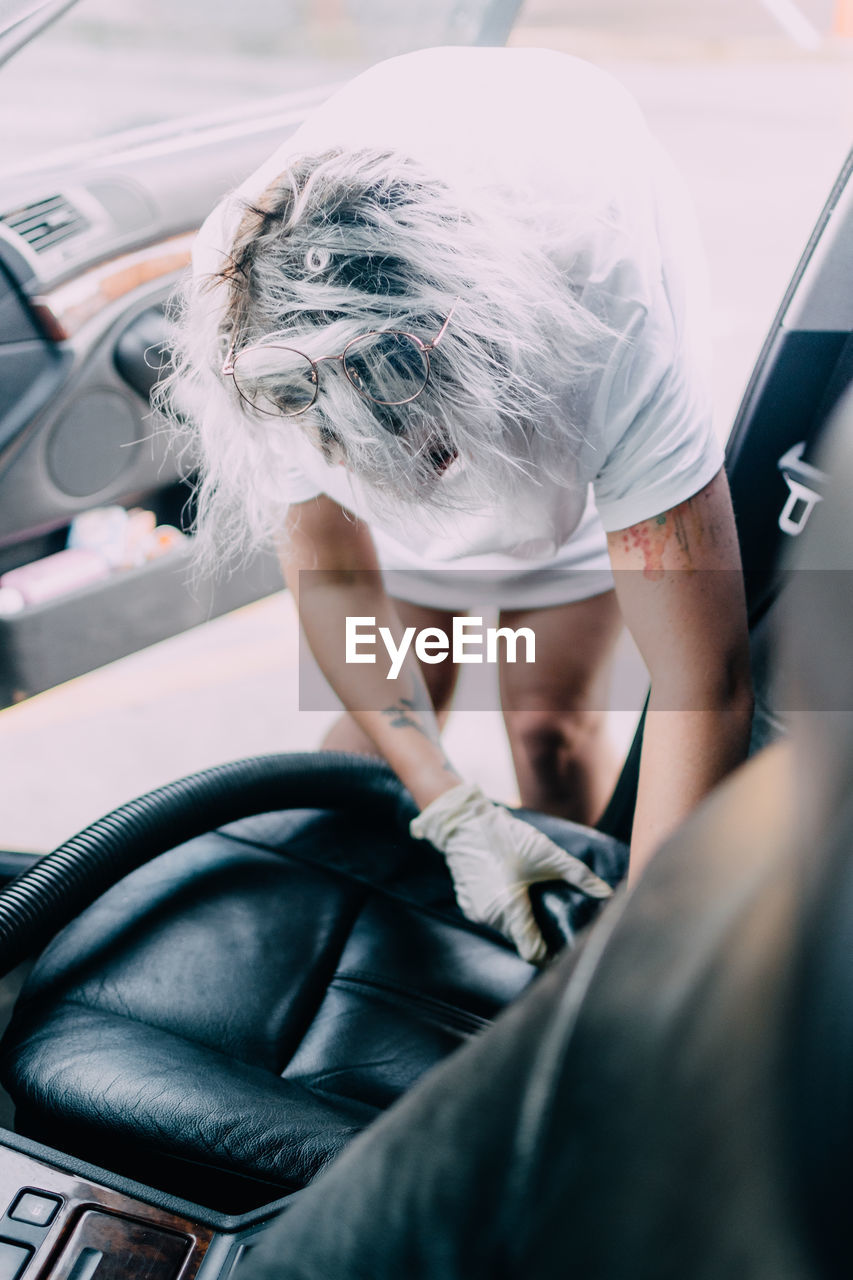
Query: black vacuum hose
{"points": [[44, 899]]}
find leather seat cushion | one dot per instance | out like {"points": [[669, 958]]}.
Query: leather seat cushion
{"points": [[250, 1000]]}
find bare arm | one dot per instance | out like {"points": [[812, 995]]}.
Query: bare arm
{"points": [[330, 566], [680, 587]]}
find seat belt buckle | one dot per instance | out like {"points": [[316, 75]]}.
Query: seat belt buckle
{"points": [[804, 484]]}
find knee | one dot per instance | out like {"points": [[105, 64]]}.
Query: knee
{"points": [[547, 737]]}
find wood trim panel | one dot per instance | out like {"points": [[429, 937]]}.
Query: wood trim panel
{"points": [[64, 310], [166, 1246]]}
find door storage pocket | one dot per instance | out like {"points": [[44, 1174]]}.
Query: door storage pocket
{"points": [[48, 643]]}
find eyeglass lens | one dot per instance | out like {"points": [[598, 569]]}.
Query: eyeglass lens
{"points": [[389, 367], [275, 380]]}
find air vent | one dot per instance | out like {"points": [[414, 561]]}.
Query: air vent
{"points": [[46, 223]]}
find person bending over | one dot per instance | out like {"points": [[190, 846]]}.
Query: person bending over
{"points": [[448, 339]]}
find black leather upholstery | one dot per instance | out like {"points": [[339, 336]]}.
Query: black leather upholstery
{"points": [[674, 1100], [251, 1000], [620, 1121]]}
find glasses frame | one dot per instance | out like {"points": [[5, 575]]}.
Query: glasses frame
{"points": [[424, 347]]}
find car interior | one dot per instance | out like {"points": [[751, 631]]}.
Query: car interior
{"points": [[251, 978]]}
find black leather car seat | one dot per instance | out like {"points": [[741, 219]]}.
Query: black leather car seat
{"points": [[674, 1099], [247, 1002], [617, 1122]]}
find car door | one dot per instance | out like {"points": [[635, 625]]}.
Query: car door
{"points": [[92, 241], [803, 370]]}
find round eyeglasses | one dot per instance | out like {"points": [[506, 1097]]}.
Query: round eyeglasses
{"points": [[386, 366]]}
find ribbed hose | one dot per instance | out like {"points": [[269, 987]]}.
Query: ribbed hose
{"points": [[44, 899]]}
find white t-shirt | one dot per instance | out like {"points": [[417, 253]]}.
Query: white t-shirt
{"points": [[566, 137]]}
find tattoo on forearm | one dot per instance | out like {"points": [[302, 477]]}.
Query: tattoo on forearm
{"points": [[404, 714], [418, 698], [400, 714]]}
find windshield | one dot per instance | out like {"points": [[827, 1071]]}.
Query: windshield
{"points": [[112, 65]]}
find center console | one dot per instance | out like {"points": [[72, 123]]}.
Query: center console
{"points": [[65, 1220]]}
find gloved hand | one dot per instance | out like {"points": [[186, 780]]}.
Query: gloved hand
{"points": [[493, 859]]}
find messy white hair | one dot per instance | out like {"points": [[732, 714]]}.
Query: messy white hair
{"points": [[346, 242]]}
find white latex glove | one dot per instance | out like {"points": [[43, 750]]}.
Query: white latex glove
{"points": [[493, 859]]}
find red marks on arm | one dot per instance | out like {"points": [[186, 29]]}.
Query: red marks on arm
{"points": [[648, 541]]}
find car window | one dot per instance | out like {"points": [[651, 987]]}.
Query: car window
{"points": [[112, 65]]}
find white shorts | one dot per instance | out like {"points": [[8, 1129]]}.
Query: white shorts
{"points": [[578, 570]]}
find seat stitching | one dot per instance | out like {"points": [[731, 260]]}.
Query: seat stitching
{"points": [[458, 921], [401, 996]]}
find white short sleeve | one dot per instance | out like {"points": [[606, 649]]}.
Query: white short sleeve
{"points": [[666, 452], [654, 406]]}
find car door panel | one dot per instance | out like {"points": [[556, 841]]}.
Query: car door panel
{"points": [[69, 299], [803, 370], [81, 327]]}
